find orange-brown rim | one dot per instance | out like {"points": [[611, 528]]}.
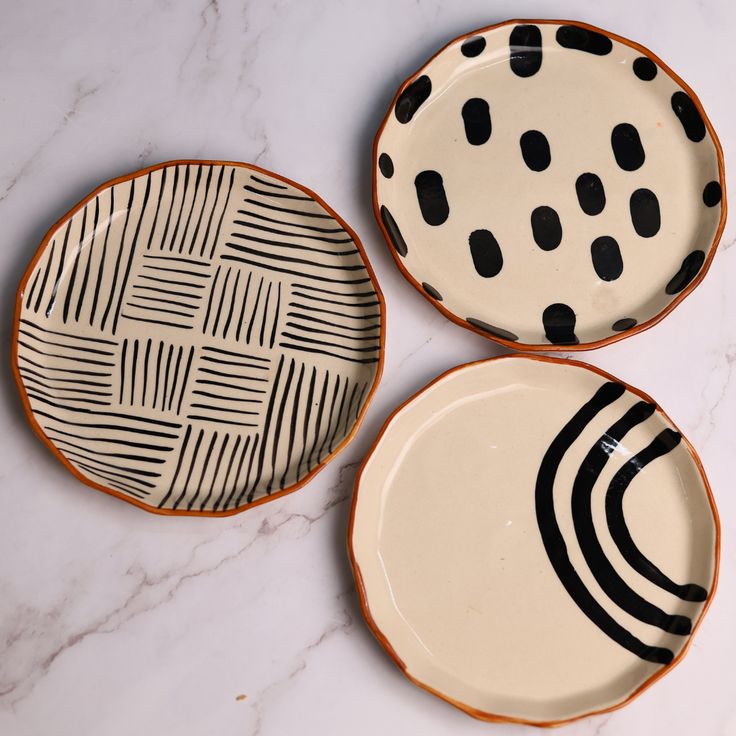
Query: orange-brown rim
{"points": [[528, 347], [175, 512], [493, 717]]}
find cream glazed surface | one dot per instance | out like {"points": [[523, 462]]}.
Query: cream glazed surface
{"points": [[533, 539], [546, 184]]}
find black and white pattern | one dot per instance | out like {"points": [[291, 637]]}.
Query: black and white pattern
{"points": [[199, 336], [529, 180]]}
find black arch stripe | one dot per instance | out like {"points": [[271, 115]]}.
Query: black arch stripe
{"points": [[610, 581], [554, 542], [662, 444]]}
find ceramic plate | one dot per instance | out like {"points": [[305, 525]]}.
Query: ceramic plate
{"points": [[533, 540], [549, 185], [198, 337]]}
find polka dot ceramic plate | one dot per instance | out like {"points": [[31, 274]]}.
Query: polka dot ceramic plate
{"points": [[533, 540], [549, 185], [198, 337]]}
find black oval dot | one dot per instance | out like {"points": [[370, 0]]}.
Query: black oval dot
{"points": [[432, 291], [559, 324], [606, 256], [645, 68], [486, 253], [432, 198], [394, 234], [627, 147], [492, 330], [473, 46], [581, 39], [625, 323], [525, 47], [689, 116], [546, 227], [412, 98], [688, 271], [712, 194], [386, 165], [535, 150], [477, 120], [645, 216], [591, 195]]}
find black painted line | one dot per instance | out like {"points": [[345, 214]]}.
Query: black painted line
{"points": [[191, 209], [301, 274], [162, 242], [183, 305], [332, 301], [205, 465], [223, 447], [179, 461], [192, 463], [25, 370], [119, 415], [335, 392], [339, 346], [175, 379], [81, 348], [145, 371], [201, 211], [318, 422], [292, 426], [165, 392], [205, 239], [31, 291], [332, 292], [359, 405], [113, 466], [176, 259], [64, 357], [156, 322], [185, 271], [109, 440], [39, 382], [265, 314], [133, 371], [331, 445], [210, 407], [223, 294], [121, 487], [289, 233], [298, 197], [42, 290], [286, 210], [246, 482], [293, 259], [661, 445], [154, 223], [219, 420], [236, 355], [227, 398], [268, 183], [43, 330], [239, 469], [60, 270], [183, 284], [158, 372], [228, 321], [348, 411], [276, 318], [307, 318], [286, 244], [109, 475], [316, 331], [253, 317], [228, 470], [185, 379], [211, 372], [227, 385], [118, 257], [305, 349], [209, 301], [168, 292], [75, 266], [333, 313], [122, 455], [88, 265], [242, 307], [103, 257], [277, 430], [63, 370], [554, 542], [222, 215], [220, 361], [612, 584], [305, 426], [311, 228]]}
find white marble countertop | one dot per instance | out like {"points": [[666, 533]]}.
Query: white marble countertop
{"points": [[114, 621]]}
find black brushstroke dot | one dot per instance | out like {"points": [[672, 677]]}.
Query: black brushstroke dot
{"points": [[525, 47], [591, 195], [581, 39], [432, 291], [559, 324], [386, 165], [712, 194], [689, 116], [492, 330], [645, 68], [412, 98], [546, 227], [486, 253], [477, 120], [688, 271], [645, 216], [627, 147], [606, 256], [394, 234], [535, 150], [620, 325], [432, 198], [473, 46]]}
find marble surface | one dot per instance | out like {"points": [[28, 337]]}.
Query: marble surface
{"points": [[114, 621]]}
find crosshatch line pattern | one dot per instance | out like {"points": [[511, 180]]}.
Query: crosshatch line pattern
{"points": [[198, 336]]}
